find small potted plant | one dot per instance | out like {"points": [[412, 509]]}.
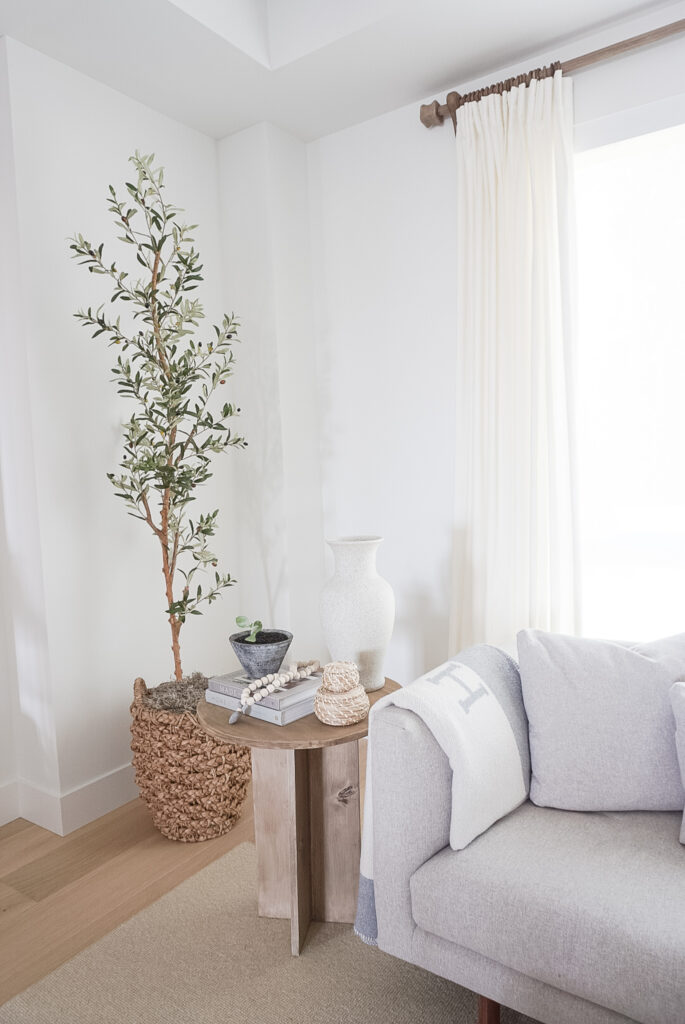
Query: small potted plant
{"points": [[193, 784], [260, 651]]}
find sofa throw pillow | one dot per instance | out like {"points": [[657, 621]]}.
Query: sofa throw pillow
{"points": [[677, 694], [601, 729]]}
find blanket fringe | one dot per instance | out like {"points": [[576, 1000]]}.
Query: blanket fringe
{"points": [[366, 938]]}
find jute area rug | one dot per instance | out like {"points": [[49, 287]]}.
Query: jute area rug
{"points": [[200, 955]]}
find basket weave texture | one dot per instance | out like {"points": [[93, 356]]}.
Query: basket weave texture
{"points": [[194, 785], [341, 699]]}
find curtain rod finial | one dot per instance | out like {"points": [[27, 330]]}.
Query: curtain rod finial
{"points": [[452, 101], [430, 114]]}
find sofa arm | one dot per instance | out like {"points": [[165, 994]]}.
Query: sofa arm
{"points": [[412, 798]]}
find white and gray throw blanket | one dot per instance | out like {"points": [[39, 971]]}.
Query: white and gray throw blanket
{"points": [[472, 705]]}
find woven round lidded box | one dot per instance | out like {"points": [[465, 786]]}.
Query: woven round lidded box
{"points": [[341, 699], [194, 785]]}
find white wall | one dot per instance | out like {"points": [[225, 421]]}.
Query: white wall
{"points": [[383, 227], [8, 681], [263, 180], [300, 393], [29, 754], [103, 612], [246, 234], [641, 92]]}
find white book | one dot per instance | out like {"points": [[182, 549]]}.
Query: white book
{"points": [[233, 683], [265, 714]]}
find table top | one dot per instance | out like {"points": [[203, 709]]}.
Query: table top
{"points": [[305, 733]]}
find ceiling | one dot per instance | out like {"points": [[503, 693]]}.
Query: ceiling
{"points": [[310, 66]]}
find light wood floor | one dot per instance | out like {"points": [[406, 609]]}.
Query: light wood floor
{"points": [[59, 895]]}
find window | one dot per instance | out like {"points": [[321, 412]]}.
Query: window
{"points": [[631, 386]]}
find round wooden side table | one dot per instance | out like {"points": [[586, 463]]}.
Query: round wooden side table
{"points": [[305, 786]]}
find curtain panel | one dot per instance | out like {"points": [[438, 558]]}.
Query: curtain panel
{"points": [[515, 539]]}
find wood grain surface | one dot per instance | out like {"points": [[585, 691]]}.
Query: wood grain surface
{"points": [[335, 821], [300, 849], [307, 823], [271, 793]]}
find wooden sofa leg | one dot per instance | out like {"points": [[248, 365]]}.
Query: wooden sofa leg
{"points": [[488, 1011]]}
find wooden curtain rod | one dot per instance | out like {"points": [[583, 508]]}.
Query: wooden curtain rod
{"points": [[434, 113]]}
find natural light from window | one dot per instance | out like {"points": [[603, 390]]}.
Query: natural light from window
{"points": [[631, 386]]}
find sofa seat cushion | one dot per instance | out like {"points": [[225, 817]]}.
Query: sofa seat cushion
{"points": [[591, 903]]}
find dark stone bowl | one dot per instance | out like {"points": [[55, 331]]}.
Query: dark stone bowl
{"points": [[265, 656]]}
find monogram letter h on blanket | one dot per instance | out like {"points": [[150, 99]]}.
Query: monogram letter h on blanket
{"points": [[467, 706]]}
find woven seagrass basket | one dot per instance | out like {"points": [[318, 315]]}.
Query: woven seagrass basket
{"points": [[194, 785]]}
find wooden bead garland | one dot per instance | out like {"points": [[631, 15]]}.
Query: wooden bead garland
{"points": [[341, 699], [260, 688]]}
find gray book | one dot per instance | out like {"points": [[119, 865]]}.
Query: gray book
{"points": [[233, 683], [265, 714]]}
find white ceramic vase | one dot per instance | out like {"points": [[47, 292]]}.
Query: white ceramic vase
{"points": [[358, 609]]}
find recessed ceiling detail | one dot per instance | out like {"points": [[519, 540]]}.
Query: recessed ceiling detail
{"points": [[310, 66]]}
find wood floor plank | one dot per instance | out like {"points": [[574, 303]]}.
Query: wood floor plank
{"points": [[12, 827], [31, 842], [49, 933], [28, 844], [10, 899], [81, 851]]}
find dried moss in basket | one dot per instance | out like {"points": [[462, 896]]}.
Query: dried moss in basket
{"points": [[177, 694]]}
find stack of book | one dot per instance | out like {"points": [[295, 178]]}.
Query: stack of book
{"points": [[294, 701]]}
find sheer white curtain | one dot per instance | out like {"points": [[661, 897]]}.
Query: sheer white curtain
{"points": [[515, 535]]}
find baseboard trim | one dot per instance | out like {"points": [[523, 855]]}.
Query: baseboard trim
{"points": [[40, 807], [63, 814], [97, 797], [9, 802]]}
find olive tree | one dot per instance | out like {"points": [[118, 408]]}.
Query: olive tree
{"points": [[172, 373]]}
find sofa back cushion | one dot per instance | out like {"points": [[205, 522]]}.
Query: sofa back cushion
{"points": [[601, 729]]}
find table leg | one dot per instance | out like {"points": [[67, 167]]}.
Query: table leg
{"points": [[271, 794], [307, 834], [300, 850], [335, 831], [280, 788]]}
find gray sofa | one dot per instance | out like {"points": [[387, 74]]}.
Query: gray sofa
{"points": [[568, 917]]}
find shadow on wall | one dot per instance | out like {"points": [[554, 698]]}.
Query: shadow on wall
{"points": [[460, 631], [8, 662], [328, 428], [422, 635], [422, 628], [260, 498], [28, 746]]}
